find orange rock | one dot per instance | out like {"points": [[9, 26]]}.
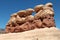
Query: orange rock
{"points": [[24, 21]]}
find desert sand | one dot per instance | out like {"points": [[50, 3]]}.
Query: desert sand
{"points": [[36, 34]]}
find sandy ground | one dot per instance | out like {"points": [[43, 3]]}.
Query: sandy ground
{"points": [[37, 34]]}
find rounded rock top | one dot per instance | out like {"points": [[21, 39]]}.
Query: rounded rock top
{"points": [[39, 6], [14, 14], [49, 4], [30, 9], [22, 11]]}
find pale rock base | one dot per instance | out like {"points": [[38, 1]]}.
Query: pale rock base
{"points": [[36, 34]]}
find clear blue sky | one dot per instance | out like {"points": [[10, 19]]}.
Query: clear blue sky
{"points": [[8, 7]]}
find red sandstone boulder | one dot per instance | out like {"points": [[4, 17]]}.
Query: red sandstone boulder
{"points": [[48, 22], [29, 18], [38, 8], [24, 21], [25, 27], [37, 23]]}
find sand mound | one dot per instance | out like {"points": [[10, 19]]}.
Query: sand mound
{"points": [[37, 34]]}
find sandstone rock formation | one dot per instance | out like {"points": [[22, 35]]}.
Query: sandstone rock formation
{"points": [[24, 20]]}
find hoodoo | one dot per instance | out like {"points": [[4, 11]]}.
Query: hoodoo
{"points": [[24, 20]]}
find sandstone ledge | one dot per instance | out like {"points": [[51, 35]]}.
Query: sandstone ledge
{"points": [[36, 34]]}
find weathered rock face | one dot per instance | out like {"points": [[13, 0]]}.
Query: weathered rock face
{"points": [[24, 21]]}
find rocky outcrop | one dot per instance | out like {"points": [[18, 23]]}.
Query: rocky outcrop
{"points": [[24, 20]]}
